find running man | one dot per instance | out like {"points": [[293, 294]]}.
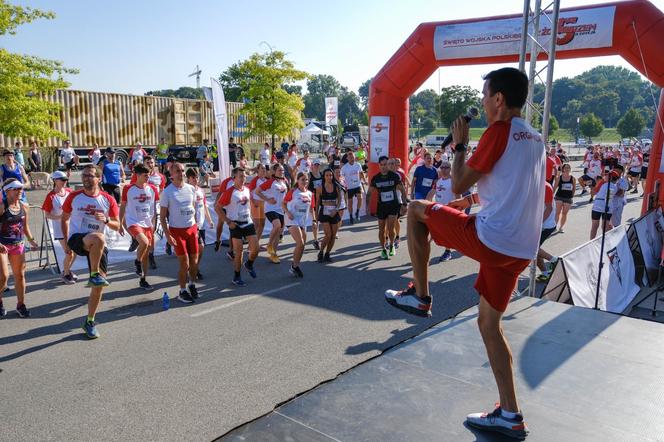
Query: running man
{"points": [[162, 154], [86, 214], [353, 177], [178, 221], [202, 215], [272, 192], [503, 236], [424, 178], [299, 208], [137, 212], [233, 208], [386, 183]]}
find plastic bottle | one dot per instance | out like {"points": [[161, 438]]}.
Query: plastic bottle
{"points": [[165, 301]]}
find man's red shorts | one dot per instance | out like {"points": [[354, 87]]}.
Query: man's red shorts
{"points": [[498, 273], [147, 231], [186, 240]]}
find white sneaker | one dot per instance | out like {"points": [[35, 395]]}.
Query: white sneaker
{"points": [[495, 421]]}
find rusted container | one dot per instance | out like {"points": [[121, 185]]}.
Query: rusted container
{"points": [[120, 120]]}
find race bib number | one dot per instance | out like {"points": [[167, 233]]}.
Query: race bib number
{"points": [[645, 164], [187, 212], [243, 215], [387, 197], [566, 186], [329, 210], [427, 182], [91, 224], [142, 210], [337, 162]]}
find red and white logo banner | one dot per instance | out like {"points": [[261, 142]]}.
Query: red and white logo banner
{"points": [[577, 29]]}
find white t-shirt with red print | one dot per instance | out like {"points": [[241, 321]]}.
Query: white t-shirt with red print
{"points": [[299, 204], [274, 188], [140, 204], [201, 204], [53, 205], [236, 203], [83, 208]]}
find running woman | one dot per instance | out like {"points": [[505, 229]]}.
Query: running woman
{"points": [[178, 222], [137, 155], [600, 207], [353, 177], [315, 181], [272, 192], [564, 186], [52, 207], [617, 204], [202, 215], [86, 214], [299, 208], [14, 229], [635, 166], [442, 194], [158, 180], [137, 212], [257, 204], [343, 189], [386, 184], [644, 166], [328, 199], [226, 184], [593, 174], [303, 164], [424, 178], [233, 208], [94, 154]]}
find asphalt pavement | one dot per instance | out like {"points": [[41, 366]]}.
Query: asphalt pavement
{"points": [[196, 371]]}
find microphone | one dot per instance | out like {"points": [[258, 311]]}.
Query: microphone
{"points": [[472, 113]]}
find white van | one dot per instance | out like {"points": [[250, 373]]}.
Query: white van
{"points": [[435, 140]]}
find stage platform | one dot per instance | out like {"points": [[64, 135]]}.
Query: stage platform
{"points": [[582, 375]]}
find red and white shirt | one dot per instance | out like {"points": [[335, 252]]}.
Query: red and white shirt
{"points": [[299, 203], [236, 203], [636, 162], [292, 160], [510, 220], [180, 202], [256, 182], [83, 208], [595, 168], [443, 189], [201, 204], [303, 165], [550, 222], [53, 205], [140, 203], [274, 188], [157, 179], [137, 155]]}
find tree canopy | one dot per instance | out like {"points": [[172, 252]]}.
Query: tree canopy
{"points": [[182, 92], [25, 80], [631, 124]]}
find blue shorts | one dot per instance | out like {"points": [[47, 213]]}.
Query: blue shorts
{"points": [[162, 161]]}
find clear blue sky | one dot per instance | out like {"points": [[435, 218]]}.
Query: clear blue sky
{"points": [[141, 45]]}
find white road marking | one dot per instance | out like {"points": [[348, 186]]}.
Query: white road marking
{"points": [[240, 301]]}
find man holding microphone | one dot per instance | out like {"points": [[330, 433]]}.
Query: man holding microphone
{"points": [[503, 236]]}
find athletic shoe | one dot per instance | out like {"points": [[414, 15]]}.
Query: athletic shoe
{"points": [[561, 230], [316, 245], [74, 276], [22, 311], [217, 244], [68, 279], [396, 243], [250, 269], [185, 297], [270, 250], [97, 281], [634, 191], [495, 421], [194, 292], [139, 267], [320, 256], [90, 329], [144, 285], [3, 312], [239, 282], [230, 255], [351, 220], [384, 255], [199, 276], [275, 259], [408, 301], [327, 258], [446, 256], [169, 250], [391, 249], [357, 215], [153, 263], [296, 272], [133, 246]]}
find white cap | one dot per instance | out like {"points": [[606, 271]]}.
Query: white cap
{"points": [[59, 175], [13, 185], [316, 161]]}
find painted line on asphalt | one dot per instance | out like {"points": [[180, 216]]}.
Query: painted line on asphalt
{"points": [[245, 299]]}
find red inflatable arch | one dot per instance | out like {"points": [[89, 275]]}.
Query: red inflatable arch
{"points": [[587, 31]]}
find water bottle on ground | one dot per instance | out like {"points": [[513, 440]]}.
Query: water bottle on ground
{"points": [[165, 301]]}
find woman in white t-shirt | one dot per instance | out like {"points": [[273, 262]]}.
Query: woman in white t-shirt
{"points": [[52, 208], [441, 192], [257, 204], [298, 205]]}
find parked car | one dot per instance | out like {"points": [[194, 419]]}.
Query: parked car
{"points": [[645, 141], [435, 140]]}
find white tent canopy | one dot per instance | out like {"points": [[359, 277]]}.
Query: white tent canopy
{"points": [[312, 129]]}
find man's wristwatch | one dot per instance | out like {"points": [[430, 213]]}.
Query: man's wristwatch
{"points": [[460, 147], [106, 220]]}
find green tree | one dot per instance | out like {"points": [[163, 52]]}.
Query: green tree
{"points": [[604, 105], [349, 106], [318, 88], [232, 80], [427, 126], [25, 80], [455, 101], [182, 92], [553, 123], [363, 93], [631, 124], [270, 108], [590, 125], [569, 114]]}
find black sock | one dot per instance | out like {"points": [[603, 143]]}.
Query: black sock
{"points": [[250, 263], [237, 275]]}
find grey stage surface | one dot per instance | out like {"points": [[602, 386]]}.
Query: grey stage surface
{"points": [[581, 375]]}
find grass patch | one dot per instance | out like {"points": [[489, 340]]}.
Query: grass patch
{"points": [[608, 135]]}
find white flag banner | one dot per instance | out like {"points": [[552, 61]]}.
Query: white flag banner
{"points": [[379, 138], [331, 111], [648, 231], [221, 121]]}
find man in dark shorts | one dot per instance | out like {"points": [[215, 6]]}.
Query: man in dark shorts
{"points": [[503, 236], [386, 184], [85, 216]]}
